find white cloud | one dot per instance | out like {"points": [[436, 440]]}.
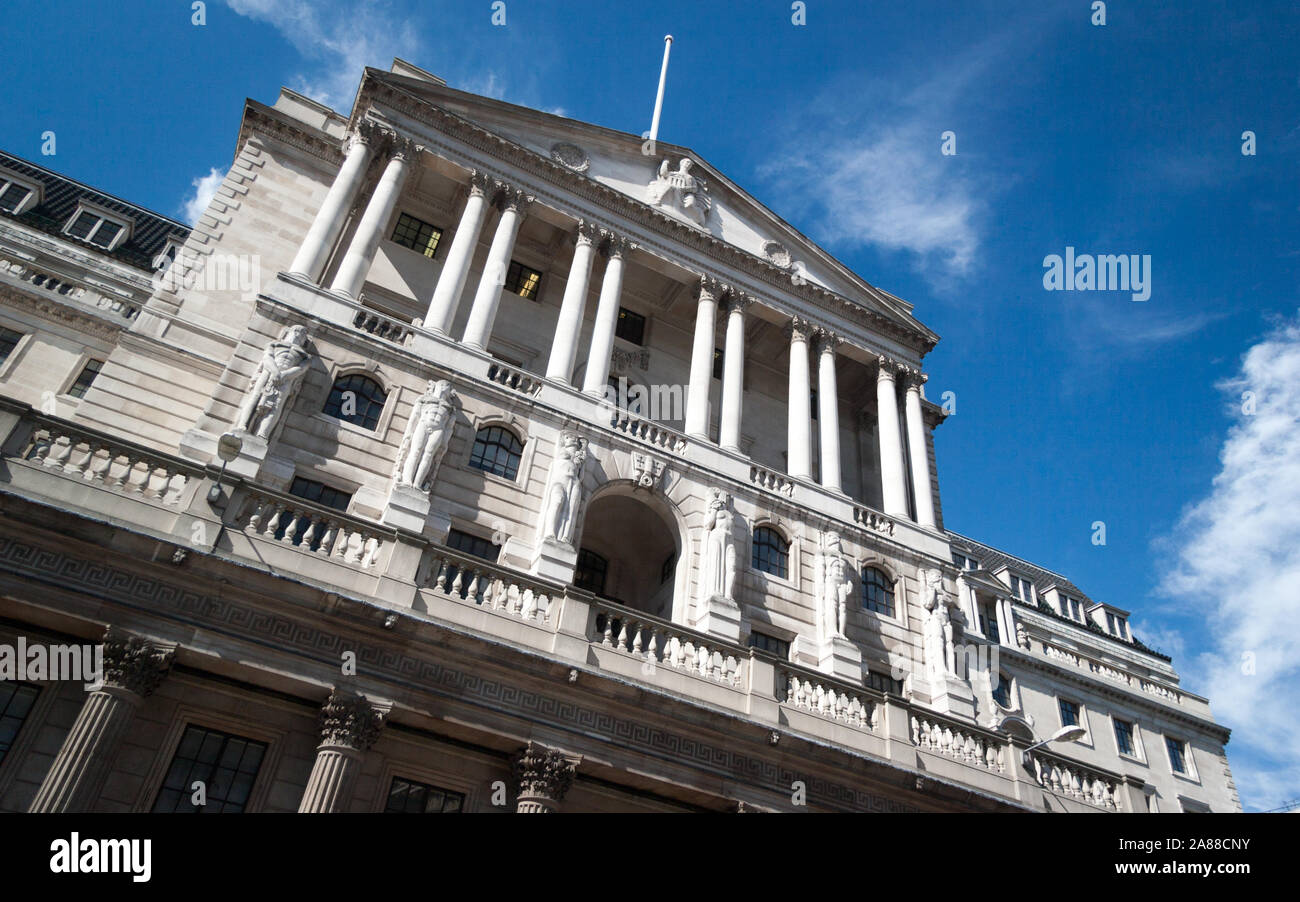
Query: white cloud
{"points": [[338, 38], [1236, 568], [205, 188]]}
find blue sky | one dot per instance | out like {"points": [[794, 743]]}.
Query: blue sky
{"points": [[1071, 407]]}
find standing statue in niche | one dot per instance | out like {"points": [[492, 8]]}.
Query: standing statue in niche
{"points": [[940, 653], [563, 498], [718, 561], [428, 433], [834, 585], [282, 367]]}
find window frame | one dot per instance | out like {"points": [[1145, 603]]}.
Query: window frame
{"points": [[250, 800], [85, 362], [888, 585], [781, 652], [32, 707], [348, 374], [515, 273], [581, 566], [324, 487], [125, 226], [508, 429], [1136, 752], [640, 340], [35, 192], [784, 549], [430, 254], [386, 798], [1010, 683], [1189, 773], [16, 352]]}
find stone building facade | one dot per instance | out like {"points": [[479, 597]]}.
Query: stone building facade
{"points": [[463, 457]]}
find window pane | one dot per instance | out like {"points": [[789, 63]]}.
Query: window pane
{"points": [[85, 378], [631, 326], [771, 552], [1069, 713], [496, 450], [409, 797], [590, 572], [13, 195], [105, 234], [226, 765], [877, 592], [356, 399], [8, 341], [420, 236], [81, 227], [523, 281], [16, 700]]}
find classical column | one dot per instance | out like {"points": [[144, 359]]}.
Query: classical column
{"points": [[893, 481], [482, 316], [349, 725], [542, 777], [133, 668], [828, 409], [451, 281], [564, 349], [798, 433], [355, 267], [602, 333], [330, 218], [916, 445], [697, 396], [733, 370]]}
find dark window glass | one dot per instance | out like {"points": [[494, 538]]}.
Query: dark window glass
{"points": [[771, 552], [631, 326], [496, 450], [82, 225], [882, 682], [8, 341], [409, 797], [1002, 691], [667, 568], [590, 573], [877, 592], [1177, 755], [989, 621], [523, 281], [1124, 737], [321, 493], [226, 765], [105, 234], [717, 363], [812, 402], [778, 647], [420, 236], [16, 700], [1069, 713], [13, 195], [472, 545], [356, 399], [85, 377]]}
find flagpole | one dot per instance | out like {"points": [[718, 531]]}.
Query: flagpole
{"points": [[659, 98]]}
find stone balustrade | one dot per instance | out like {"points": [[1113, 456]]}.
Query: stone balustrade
{"points": [[310, 528], [960, 742], [65, 288], [1073, 780], [661, 643], [383, 327], [771, 481], [816, 693], [105, 461], [474, 581], [516, 380], [648, 432]]}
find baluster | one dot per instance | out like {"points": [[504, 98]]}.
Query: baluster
{"points": [[60, 451], [273, 524], [156, 490], [456, 583], [636, 638], [256, 518], [440, 574], [652, 646], [471, 592], [372, 553], [292, 529], [310, 534], [327, 538], [622, 635]]}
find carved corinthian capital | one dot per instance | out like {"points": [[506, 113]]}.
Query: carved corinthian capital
{"points": [[738, 300], [798, 329], [617, 245], [542, 777], [366, 132], [826, 340], [888, 368], [587, 232], [513, 199], [479, 183], [710, 287], [405, 148], [350, 721], [135, 664]]}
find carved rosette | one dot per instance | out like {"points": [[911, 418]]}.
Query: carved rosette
{"points": [[349, 721], [135, 664], [542, 777]]}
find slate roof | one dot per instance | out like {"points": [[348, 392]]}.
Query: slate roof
{"points": [[150, 230]]}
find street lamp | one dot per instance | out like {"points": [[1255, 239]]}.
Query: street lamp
{"points": [[228, 448], [1065, 734]]}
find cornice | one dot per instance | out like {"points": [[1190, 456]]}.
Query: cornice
{"points": [[55, 311], [267, 121]]}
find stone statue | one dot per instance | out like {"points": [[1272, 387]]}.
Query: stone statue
{"points": [[718, 560], [563, 496], [834, 585], [940, 652], [283, 364], [692, 195], [428, 433]]}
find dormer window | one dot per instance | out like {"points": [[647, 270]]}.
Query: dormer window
{"points": [[1071, 608], [96, 227], [167, 256], [16, 195], [1022, 589], [1118, 626]]}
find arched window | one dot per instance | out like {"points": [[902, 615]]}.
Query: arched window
{"points": [[497, 450], [877, 592], [356, 399], [771, 552]]}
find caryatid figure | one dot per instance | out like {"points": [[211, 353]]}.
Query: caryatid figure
{"points": [[428, 432], [939, 651], [718, 561], [282, 367], [563, 497], [834, 587]]}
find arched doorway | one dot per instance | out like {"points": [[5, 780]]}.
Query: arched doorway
{"points": [[630, 551]]}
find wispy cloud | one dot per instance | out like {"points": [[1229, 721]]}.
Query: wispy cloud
{"points": [[205, 188], [337, 40], [1234, 564]]}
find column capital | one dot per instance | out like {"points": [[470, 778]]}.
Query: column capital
{"points": [[912, 378], [367, 131], [617, 245], [710, 287], [889, 368], [513, 199], [350, 720], [798, 329], [827, 340], [404, 148], [737, 300], [542, 776], [135, 664], [479, 183], [587, 232]]}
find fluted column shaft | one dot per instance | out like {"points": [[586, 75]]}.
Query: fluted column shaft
{"points": [[360, 255], [602, 333], [325, 229], [828, 410], [799, 427], [921, 485], [564, 349], [487, 300], [733, 372], [892, 478], [455, 269], [349, 725], [697, 398]]}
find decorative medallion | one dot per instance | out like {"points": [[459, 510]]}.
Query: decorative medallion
{"points": [[570, 156], [777, 254]]}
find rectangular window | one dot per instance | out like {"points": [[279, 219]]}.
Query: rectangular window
{"points": [[1124, 738], [8, 341], [87, 375], [321, 493], [420, 236], [16, 700], [1177, 754], [812, 403], [226, 765], [770, 644], [1022, 589], [1116, 625], [989, 620], [12, 195], [409, 797], [963, 562], [882, 682], [590, 572], [631, 326], [1069, 713], [717, 363], [95, 229], [523, 281], [472, 545]]}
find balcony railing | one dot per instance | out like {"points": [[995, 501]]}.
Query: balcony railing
{"points": [[659, 642], [960, 742], [461, 578], [310, 528], [835, 700], [1075, 781]]}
